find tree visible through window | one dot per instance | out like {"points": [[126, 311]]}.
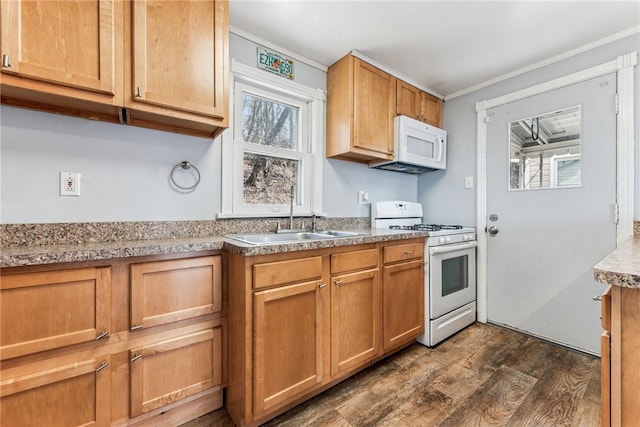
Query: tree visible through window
{"points": [[268, 179]]}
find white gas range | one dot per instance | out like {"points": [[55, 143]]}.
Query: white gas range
{"points": [[450, 268]]}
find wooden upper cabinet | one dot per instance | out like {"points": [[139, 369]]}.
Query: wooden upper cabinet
{"points": [[43, 311], [154, 63], [418, 104], [177, 51], [361, 102], [67, 50]]}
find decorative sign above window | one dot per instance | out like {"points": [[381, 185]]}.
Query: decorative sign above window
{"points": [[275, 63]]}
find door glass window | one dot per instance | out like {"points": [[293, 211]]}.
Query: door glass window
{"points": [[544, 151], [455, 274]]}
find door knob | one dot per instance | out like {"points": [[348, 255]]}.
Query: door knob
{"points": [[493, 230]]}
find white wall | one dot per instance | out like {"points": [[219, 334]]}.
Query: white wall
{"points": [[443, 195], [125, 169]]}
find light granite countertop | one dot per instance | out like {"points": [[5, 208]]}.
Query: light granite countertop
{"points": [[622, 266], [50, 254]]}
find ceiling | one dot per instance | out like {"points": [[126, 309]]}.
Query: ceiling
{"points": [[446, 47]]}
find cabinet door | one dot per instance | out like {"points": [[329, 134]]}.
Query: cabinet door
{"points": [[171, 370], [77, 394], [178, 51], [430, 109], [42, 311], [288, 326], [355, 320], [408, 102], [63, 43], [168, 291], [374, 108], [402, 303], [605, 379]]}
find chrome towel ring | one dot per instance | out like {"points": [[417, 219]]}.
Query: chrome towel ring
{"points": [[186, 166]]}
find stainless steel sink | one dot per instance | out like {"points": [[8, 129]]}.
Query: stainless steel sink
{"points": [[267, 238]]}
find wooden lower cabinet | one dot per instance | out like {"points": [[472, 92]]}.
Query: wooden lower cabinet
{"points": [[355, 320], [288, 323], [69, 357], [402, 303], [72, 394], [301, 322], [47, 310], [620, 371], [164, 372]]}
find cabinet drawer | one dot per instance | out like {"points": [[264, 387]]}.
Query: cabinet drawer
{"points": [[168, 291], [283, 272], [403, 252], [42, 311], [76, 394], [171, 370], [353, 261]]}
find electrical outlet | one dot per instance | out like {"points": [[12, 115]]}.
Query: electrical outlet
{"points": [[69, 183], [363, 197]]}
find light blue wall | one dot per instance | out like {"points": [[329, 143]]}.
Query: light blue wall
{"points": [[443, 195], [125, 169]]}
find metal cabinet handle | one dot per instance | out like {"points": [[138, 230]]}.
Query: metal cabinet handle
{"points": [[138, 92], [102, 335], [408, 252], [597, 298], [5, 61], [323, 285], [338, 282], [135, 327], [103, 365], [136, 357]]}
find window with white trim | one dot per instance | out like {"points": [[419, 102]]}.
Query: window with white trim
{"points": [[272, 151]]}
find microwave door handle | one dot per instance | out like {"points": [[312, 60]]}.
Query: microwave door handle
{"points": [[440, 150]]}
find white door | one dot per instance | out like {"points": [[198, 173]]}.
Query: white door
{"points": [[547, 240]]}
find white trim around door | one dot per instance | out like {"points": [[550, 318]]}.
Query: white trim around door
{"points": [[624, 67]]}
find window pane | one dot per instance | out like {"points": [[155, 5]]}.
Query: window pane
{"points": [[268, 180], [267, 122], [537, 145]]}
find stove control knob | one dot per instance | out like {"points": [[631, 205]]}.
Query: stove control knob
{"points": [[465, 238], [448, 239], [442, 240], [472, 237]]}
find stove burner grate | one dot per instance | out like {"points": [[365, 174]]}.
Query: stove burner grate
{"points": [[426, 227]]}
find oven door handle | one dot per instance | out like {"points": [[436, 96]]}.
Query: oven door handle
{"points": [[451, 248]]}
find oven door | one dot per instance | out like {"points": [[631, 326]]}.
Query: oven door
{"points": [[452, 277]]}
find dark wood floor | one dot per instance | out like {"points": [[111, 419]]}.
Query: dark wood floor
{"points": [[484, 375]]}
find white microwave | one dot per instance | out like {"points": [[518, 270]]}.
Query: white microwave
{"points": [[418, 147]]}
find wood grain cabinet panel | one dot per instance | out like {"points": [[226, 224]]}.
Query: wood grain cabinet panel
{"points": [[76, 394], [66, 49], [355, 319], [43, 311], [420, 105], [167, 371], [154, 63], [280, 273], [624, 371], [177, 52], [352, 261], [360, 108], [404, 252], [167, 291], [288, 324], [402, 303]]}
